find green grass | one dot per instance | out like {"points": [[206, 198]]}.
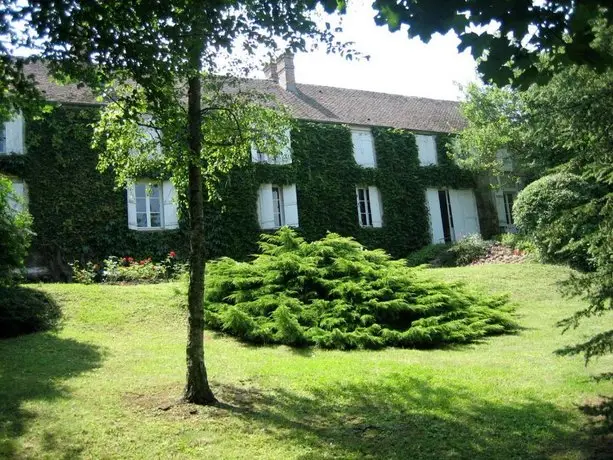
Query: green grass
{"points": [[104, 386]]}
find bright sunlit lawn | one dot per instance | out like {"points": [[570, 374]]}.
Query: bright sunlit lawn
{"points": [[105, 386]]}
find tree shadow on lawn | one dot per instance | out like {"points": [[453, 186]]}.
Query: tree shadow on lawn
{"points": [[34, 367], [403, 417]]}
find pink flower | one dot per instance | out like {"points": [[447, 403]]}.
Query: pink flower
{"points": [[172, 254]]}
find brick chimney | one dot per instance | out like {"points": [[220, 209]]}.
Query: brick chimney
{"points": [[270, 71], [282, 71]]}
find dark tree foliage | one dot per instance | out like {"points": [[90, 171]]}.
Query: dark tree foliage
{"points": [[568, 31], [560, 131]]}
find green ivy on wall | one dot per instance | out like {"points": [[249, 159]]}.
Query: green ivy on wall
{"points": [[78, 215]]}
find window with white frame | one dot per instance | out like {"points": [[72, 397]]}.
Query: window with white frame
{"points": [[148, 205], [283, 158], [369, 206], [363, 147], [426, 149], [152, 206], [277, 206]]}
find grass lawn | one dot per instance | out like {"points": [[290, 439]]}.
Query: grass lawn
{"points": [[105, 386]]}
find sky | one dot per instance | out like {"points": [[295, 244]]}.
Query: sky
{"points": [[397, 65]]}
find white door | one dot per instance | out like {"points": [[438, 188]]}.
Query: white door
{"points": [[436, 221], [464, 213]]}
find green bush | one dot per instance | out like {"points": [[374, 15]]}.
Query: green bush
{"points": [[550, 212], [334, 293], [15, 234], [469, 249], [24, 311], [517, 241], [460, 253], [437, 255]]}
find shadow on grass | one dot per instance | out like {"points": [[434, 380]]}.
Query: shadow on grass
{"points": [[402, 417], [34, 367]]}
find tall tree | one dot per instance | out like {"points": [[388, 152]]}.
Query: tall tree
{"points": [[560, 131], [162, 44]]}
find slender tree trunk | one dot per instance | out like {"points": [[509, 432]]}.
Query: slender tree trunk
{"points": [[197, 389]]}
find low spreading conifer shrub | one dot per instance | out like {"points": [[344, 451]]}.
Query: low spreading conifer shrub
{"points": [[334, 293]]}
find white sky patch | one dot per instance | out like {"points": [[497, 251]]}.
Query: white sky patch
{"points": [[397, 65]]}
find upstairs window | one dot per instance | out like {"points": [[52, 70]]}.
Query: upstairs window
{"points": [[426, 149], [369, 207], [277, 206], [363, 147], [284, 157], [152, 206]]}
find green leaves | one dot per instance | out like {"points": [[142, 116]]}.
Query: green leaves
{"points": [[334, 293]]}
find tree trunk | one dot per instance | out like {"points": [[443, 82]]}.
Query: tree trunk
{"points": [[197, 389]]}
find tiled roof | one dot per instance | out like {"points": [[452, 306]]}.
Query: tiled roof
{"points": [[55, 92], [317, 103]]}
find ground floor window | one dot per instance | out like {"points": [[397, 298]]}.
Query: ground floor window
{"points": [[152, 205]]}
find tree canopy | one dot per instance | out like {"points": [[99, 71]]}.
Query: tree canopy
{"points": [[511, 37]]}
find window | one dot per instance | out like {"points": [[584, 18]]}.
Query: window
{"points": [[509, 199], [284, 157], [148, 206], [364, 209], [504, 198], [277, 206], [369, 207], [152, 206], [426, 149], [363, 147], [2, 138]]}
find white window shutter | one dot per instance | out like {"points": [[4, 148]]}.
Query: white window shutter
{"points": [[285, 157], [376, 208], [436, 221], [363, 147], [131, 193], [464, 213], [255, 157], [265, 209], [169, 194], [426, 149], [14, 135], [505, 157], [290, 205], [500, 209], [18, 200]]}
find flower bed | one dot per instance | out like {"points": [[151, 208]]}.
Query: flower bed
{"points": [[128, 270]]}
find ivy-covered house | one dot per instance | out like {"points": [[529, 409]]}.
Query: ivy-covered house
{"points": [[365, 164]]}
